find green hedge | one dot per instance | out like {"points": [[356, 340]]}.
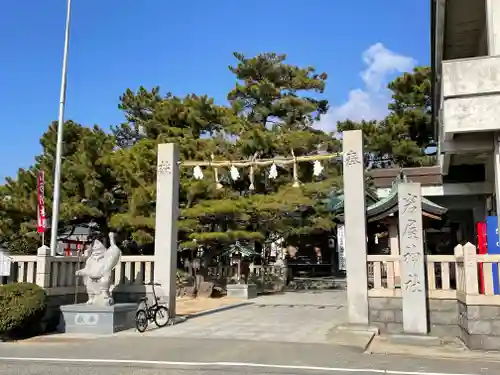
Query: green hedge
{"points": [[22, 307]]}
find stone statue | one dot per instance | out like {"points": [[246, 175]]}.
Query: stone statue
{"points": [[97, 271]]}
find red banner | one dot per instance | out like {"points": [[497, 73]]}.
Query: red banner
{"points": [[481, 249], [41, 219]]}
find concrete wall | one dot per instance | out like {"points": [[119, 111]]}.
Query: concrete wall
{"points": [[386, 313], [470, 89], [443, 317], [465, 77], [479, 326], [474, 114]]}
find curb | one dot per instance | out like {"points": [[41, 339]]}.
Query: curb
{"points": [[358, 337], [217, 309], [377, 348]]}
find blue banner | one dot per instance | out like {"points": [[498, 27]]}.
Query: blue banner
{"points": [[493, 242]]}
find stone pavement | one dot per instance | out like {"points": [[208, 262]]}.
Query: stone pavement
{"points": [[290, 317]]}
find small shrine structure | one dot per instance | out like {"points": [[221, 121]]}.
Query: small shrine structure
{"points": [[382, 218]]}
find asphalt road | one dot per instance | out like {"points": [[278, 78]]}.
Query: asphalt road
{"points": [[113, 370], [151, 355], [13, 369]]}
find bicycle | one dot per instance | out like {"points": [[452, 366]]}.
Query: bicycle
{"points": [[151, 313]]}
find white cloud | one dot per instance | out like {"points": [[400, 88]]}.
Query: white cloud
{"points": [[369, 102]]}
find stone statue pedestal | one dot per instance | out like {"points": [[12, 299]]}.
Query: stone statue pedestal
{"points": [[241, 291], [100, 320]]}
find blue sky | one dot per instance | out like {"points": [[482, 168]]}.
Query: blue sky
{"points": [[185, 46]]}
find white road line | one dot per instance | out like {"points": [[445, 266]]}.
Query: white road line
{"points": [[219, 364]]}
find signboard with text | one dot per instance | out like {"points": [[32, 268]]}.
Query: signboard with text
{"points": [[341, 247], [493, 244]]}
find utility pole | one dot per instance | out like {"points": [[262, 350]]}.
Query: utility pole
{"points": [[56, 200]]}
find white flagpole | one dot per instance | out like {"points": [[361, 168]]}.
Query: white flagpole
{"points": [[60, 127]]}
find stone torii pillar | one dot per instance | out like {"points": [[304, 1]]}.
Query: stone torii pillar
{"points": [[167, 213], [355, 227]]}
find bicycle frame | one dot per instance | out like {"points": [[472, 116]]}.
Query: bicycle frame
{"points": [[150, 309]]}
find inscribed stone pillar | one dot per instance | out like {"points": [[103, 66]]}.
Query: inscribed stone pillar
{"points": [[413, 280], [167, 211], [355, 227]]}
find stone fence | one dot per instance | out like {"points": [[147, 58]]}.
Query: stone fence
{"points": [[263, 273], [456, 305], [57, 274]]}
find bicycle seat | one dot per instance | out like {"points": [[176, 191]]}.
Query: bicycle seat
{"points": [[143, 299]]}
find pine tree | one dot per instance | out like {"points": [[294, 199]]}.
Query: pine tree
{"points": [[274, 119], [266, 118], [404, 135], [111, 178], [194, 123], [87, 187]]}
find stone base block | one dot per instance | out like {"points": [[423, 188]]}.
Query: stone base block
{"points": [[242, 291], [90, 319], [480, 326]]}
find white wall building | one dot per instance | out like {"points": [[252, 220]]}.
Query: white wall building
{"points": [[466, 101]]}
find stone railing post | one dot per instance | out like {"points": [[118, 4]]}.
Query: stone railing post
{"points": [[470, 266], [43, 260], [394, 246], [458, 251], [251, 269]]}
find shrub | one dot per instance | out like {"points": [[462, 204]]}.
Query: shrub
{"points": [[22, 307]]}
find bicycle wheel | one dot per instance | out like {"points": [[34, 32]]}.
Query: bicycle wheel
{"points": [[161, 317], [141, 320]]}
